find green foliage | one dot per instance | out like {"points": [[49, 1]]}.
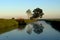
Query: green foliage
{"points": [[37, 13]]}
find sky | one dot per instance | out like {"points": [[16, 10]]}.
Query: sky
{"points": [[17, 8]]}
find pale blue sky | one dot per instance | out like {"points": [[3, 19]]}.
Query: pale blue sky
{"points": [[17, 8]]}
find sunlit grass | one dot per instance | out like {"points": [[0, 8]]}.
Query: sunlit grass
{"points": [[7, 24], [29, 21]]}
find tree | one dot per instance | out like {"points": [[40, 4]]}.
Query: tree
{"points": [[29, 13], [13, 18], [37, 13]]}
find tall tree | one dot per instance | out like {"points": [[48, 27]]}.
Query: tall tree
{"points": [[37, 13]]}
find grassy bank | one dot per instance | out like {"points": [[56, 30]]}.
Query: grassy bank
{"points": [[53, 19], [29, 21], [7, 25]]}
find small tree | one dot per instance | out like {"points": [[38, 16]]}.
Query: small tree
{"points": [[29, 13], [13, 18]]}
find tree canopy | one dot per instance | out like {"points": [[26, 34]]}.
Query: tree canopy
{"points": [[37, 13], [29, 13]]}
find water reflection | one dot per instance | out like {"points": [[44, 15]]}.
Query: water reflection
{"points": [[37, 28], [40, 27], [21, 27]]}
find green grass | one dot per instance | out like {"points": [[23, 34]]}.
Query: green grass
{"points": [[28, 21], [7, 25], [53, 19]]}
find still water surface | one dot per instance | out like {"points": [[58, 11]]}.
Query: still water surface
{"points": [[46, 32]]}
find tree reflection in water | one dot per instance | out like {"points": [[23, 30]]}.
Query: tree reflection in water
{"points": [[21, 27], [29, 28], [37, 28]]}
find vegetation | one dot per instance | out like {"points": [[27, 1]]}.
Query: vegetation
{"points": [[52, 19], [29, 21], [7, 25], [35, 14], [10, 24], [29, 13]]}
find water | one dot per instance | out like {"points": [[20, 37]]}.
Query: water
{"points": [[44, 32]]}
